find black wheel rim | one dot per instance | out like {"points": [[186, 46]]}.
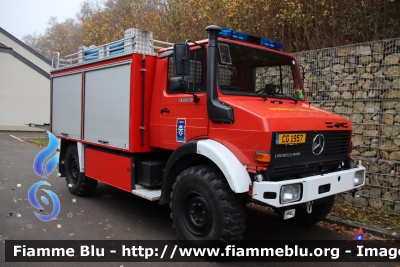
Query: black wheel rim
{"points": [[196, 213], [73, 166]]}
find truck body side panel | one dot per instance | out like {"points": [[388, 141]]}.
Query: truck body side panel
{"points": [[104, 101], [109, 168], [142, 75]]}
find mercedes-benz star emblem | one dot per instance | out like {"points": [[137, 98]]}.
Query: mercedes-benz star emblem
{"points": [[318, 144]]}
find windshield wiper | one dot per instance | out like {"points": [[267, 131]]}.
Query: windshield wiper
{"points": [[263, 97], [232, 89], [289, 97]]}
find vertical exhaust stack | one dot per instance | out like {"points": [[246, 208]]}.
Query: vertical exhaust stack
{"points": [[217, 111]]}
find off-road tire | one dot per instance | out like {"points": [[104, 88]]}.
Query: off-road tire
{"points": [[320, 210], [78, 184], [219, 219]]}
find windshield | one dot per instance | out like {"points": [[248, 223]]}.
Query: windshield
{"points": [[249, 71]]}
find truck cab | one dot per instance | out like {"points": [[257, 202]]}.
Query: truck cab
{"points": [[205, 127]]}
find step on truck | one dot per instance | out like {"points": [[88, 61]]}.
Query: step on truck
{"points": [[203, 126]]}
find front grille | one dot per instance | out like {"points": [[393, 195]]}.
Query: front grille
{"points": [[290, 161], [336, 143]]}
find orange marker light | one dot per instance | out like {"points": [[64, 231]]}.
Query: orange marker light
{"points": [[262, 156], [250, 190]]}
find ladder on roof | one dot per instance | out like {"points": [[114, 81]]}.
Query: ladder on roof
{"points": [[134, 41]]}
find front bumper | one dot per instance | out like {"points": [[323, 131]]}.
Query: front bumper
{"points": [[337, 182]]}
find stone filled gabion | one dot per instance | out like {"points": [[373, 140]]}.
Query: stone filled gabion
{"points": [[362, 82]]}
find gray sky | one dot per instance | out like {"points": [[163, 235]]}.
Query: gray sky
{"points": [[21, 17]]}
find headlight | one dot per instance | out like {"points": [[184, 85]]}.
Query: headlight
{"points": [[290, 193], [359, 178]]}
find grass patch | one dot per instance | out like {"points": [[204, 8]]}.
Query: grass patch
{"points": [[43, 142], [367, 216]]}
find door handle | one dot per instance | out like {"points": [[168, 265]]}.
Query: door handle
{"points": [[164, 110]]}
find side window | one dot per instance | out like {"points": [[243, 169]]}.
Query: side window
{"points": [[198, 72]]}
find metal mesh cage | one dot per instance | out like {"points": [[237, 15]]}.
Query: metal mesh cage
{"points": [[362, 82]]}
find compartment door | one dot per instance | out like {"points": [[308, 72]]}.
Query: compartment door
{"points": [[66, 109], [107, 97]]}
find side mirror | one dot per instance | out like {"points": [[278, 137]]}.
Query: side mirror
{"points": [[177, 85], [181, 59]]}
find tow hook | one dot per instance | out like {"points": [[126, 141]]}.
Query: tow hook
{"points": [[309, 207], [355, 193]]}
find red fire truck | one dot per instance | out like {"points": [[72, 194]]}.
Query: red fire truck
{"points": [[203, 126]]}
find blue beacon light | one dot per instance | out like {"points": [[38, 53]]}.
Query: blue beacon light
{"points": [[359, 237], [227, 33]]}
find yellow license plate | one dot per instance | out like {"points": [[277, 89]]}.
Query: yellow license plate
{"points": [[287, 139]]}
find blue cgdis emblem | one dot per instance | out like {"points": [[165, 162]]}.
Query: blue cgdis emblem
{"points": [[181, 130]]}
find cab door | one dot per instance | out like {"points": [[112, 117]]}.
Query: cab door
{"points": [[183, 117]]}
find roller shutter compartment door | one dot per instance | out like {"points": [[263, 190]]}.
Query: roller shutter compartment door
{"points": [[107, 96], [66, 108]]}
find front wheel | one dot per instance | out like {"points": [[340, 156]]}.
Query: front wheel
{"points": [[204, 208]]}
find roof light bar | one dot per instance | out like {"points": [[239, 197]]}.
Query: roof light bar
{"points": [[272, 44], [227, 33]]}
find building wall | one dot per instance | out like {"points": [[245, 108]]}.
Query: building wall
{"points": [[23, 51], [24, 94]]}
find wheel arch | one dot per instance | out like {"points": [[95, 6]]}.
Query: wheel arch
{"points": [[204, 152]]}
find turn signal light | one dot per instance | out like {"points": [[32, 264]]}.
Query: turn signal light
{"points": [[262, 156], [250, 190]]}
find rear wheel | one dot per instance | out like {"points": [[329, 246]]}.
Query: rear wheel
{"points": [[78, 183], [204, 208]]}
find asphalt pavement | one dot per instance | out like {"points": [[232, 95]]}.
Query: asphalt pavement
{"points": [[112, 214]]}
